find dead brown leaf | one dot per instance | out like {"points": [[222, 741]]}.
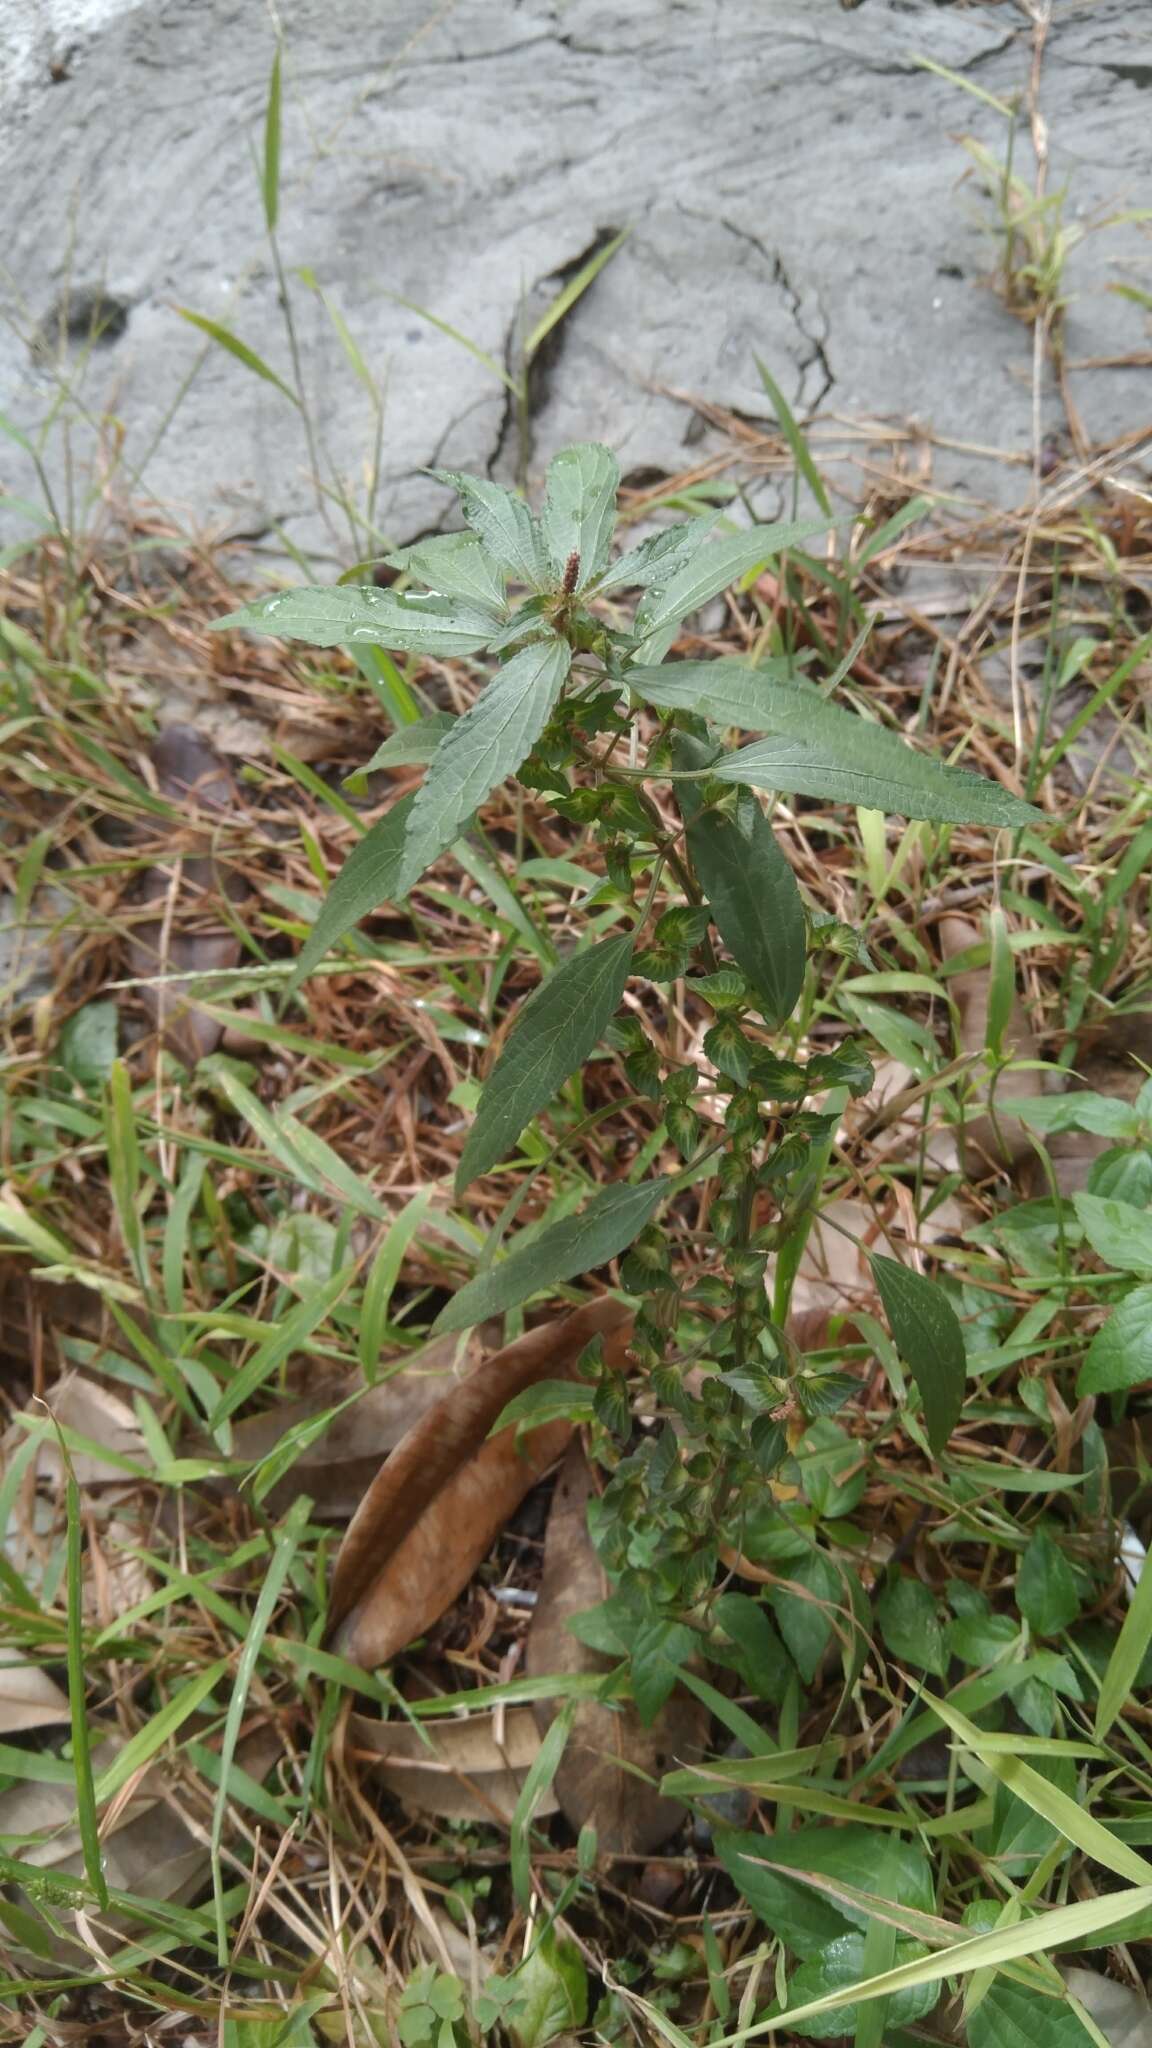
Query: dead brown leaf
{"points": [[190, 936], [430, 1517], [29, 1698], [340, 1464], [596, 1782], [90, 1410], [472, 1768]]}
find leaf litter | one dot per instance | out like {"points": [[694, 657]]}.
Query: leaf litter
{"points": [[449, 1487]]}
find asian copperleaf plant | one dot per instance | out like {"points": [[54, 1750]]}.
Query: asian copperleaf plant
{"points": [[708, 900]]}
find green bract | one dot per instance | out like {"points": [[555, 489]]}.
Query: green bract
{"points": [[698, 906]]}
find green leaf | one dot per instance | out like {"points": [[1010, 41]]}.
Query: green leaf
{"points": [[1120, 1355], [821, 749], [233, 346], [750, 890], [414, 743], [579, 514], [843, 1963], [1078, 1110], [553, 1035], [1116, 1686], [712, 570], [1045, 1588], [502, 522], [1123, 1174], [921, 787], [1001, 982], [551, 1993], [795, 439], [658, 556], [808, 1920], [87, 1043], [1014, 2016], [571, 291], [807, 1618], [341, 615], [367, 879], [456, 565], [547, 1401], [565, 1250], [483, 747], [929, 1340], [1120, 1234], [763, 1664], [659, 1650], [270, 180], [911, 1626]]}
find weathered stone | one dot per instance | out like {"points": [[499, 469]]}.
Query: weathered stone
{"points": [[789, 173]]}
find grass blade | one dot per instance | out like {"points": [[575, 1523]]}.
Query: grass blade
{"points": [[573, 290], [81, 1746], [281, 1560], [147, 1740], [270, 180], [233, 346], [788, 427], [1073, 1821], [1127, 1656], [1065, 1927]]}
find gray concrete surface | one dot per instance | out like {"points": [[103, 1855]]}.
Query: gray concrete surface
{"points": [[789, 173]]}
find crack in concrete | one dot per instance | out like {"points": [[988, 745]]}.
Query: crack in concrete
{"points": [[779, 273]]}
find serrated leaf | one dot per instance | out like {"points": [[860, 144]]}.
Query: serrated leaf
{"points": [[929, 1339], [88, 1041], [844, 1961], [344, 615], [551, 1994], [483, 747], [411, 744], [456, 565], [579, 514], [911, 1626], [367, 879], [501, 521], [752, 895], [1014, 2016], [1077, 1110], [713, 569], [822, 750], [660, 555], [1120, 1355], [552, 1036], [804, 1917], [1045, 1588], [574, 1246], [659, 1650], [1118, 1233]]}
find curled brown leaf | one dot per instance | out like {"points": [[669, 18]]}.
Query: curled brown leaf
{"points": [[467, 1769], [431, 1515]]}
